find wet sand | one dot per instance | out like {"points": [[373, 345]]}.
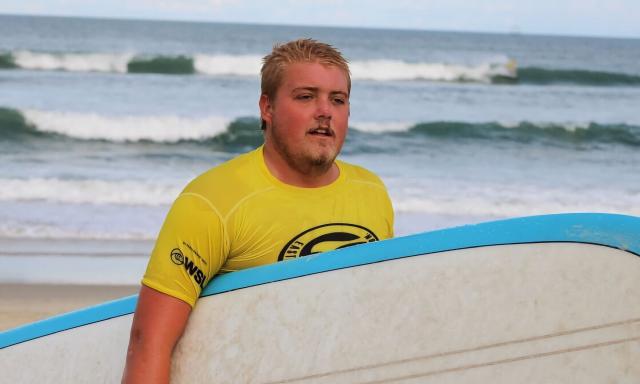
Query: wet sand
{"points": [[25, 303]]}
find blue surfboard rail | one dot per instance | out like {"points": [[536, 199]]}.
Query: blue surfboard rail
{"points": [[611, 230]]}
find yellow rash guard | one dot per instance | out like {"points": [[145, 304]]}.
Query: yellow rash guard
{"points": [[237, 215]]}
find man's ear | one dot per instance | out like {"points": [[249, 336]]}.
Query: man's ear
{"points": [[266, 109]]}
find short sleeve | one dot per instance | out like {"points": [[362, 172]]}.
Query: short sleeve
{"points": [[389, 214], [191, 248]]}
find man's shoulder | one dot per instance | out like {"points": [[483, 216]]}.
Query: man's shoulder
{"points": [[229, 182], [359, 174], [238, 167]]}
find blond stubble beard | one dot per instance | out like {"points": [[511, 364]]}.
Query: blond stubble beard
{"points": [[304, 163]]}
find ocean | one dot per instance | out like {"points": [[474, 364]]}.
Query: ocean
{"points": [[103, 122]]}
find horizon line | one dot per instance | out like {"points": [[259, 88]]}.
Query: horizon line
{"points": [[515, 32]]}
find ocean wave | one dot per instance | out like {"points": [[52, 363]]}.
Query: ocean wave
{"points": [[460, 197], [391, 70], [499, 70], [248, 65], [88, 126], [14, 125], [381, 127], [241, 65], [543, 76], [169, 129], [30, 230], [244, 132], [527, 132], [7, 61], [122, 192], [568, 133], [431, 197], [72, 62], [523, 202], [179, 65]]}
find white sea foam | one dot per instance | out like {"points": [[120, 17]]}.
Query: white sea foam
{"points": [[380, 70], [247, 65], [375, 127], [506, 201], [133, 209], [127, 192], [73, 62], [28, 230], [570, 126], [173, 128], [396, 126], [495, 201], [385, 70], [169, 128]]}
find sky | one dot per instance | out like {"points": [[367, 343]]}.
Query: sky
{"points": [[607, 18]]}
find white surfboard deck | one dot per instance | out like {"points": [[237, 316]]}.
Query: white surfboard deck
{"points": [[541, 299]]}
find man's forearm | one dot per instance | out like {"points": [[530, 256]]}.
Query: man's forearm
{"points": [[157, 326], [146, 366]]}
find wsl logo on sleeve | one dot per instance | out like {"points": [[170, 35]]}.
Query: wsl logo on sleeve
{"points": [[326, 237], [192, 269]]}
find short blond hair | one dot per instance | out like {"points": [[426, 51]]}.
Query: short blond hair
{"points": [[296, 51]]}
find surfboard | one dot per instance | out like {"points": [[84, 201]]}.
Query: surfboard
{"points": [[552, 298]]}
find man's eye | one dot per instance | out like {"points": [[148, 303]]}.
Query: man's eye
{"points": [[339, 101], [304, 97]]}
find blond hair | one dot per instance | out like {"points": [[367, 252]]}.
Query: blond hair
{"points": [[296, 51]]}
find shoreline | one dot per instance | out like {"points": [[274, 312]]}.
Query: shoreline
{"points": [[42, 277], [26, 303]]}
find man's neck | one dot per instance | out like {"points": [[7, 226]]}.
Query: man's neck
{"points": [[299, 175]]}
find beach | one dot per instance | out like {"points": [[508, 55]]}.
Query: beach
{"points": [[43, 277], [104, 122], [24, 303]]}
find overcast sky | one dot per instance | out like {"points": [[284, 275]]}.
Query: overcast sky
{"points": [[565, 17]]}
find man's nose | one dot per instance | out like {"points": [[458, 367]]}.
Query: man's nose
{"points": [[323, 109]]}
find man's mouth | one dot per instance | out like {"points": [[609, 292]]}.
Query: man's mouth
{"points": [[327, 132]]}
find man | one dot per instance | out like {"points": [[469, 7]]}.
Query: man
{"points": [[287, 199]]}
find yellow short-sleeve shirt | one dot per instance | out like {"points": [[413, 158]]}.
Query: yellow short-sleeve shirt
{"points": [[237, 215]]}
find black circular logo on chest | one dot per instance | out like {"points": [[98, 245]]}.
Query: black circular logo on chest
{"points": [[326, 237]]}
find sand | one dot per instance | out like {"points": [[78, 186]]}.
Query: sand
{"points": [[40, 278], [25, 303]]}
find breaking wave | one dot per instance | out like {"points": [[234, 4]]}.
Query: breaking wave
{"points": [[246, 65], [542, 76], [19, 125], [499, 70], [568, 133], [87, 126]]}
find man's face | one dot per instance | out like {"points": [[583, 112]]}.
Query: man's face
{"points": [[308, 118]]}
